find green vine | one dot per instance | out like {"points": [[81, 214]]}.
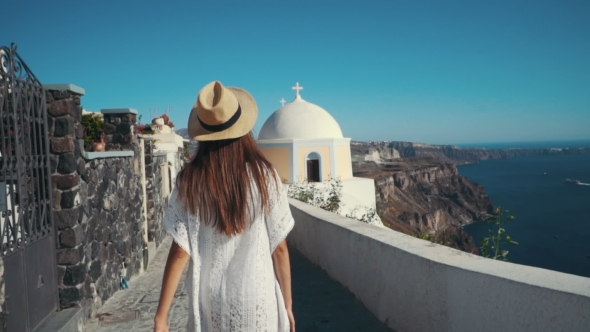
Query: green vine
{"points": [[93, 129], [492, 245]]}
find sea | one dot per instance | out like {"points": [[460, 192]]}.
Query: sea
{"points": [[552, 224]]}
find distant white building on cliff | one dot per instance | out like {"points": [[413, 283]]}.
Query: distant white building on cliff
{"points": [[304, 142]]}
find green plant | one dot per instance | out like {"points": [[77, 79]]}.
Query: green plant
{"points": [[332, 201], [329, 198], [308, 192], [93, 129], [369, 216], [426, 237], [142, 128], [303, 191], [445, 238], [491, 246]]}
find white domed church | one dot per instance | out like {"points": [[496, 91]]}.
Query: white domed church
{"points": [[304, 142]]}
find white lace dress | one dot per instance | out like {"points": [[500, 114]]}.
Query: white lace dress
{"points": [[231, 281]]}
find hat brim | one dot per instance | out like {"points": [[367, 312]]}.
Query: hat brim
{"points": [[242, 127]]}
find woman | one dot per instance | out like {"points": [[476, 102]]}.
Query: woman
{"points": [[229, 216]]}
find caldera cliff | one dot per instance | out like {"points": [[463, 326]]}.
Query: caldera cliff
{"points": [[420, 192], [423, 196], [454, 154]]}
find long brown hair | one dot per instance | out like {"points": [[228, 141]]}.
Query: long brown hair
{"points": [[217, 184]]}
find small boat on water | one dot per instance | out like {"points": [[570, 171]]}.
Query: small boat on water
{"points": [[572, 181]]}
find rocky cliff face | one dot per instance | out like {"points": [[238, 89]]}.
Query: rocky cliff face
{"points": [[423, 196], [452, 153], [378, 153], [419, 190], [439, 197]]}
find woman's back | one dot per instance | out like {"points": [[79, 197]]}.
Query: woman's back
{"points": [[231, 279], [229, 212]]}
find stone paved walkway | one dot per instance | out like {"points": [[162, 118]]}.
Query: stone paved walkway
{"points": [[142, 296], [319, 303]]}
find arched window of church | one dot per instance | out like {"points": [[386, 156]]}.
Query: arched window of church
{"points": [[313, 167]]}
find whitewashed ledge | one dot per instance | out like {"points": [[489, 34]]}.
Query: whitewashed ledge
{"points": [[415, 285], [107, 154], [147, 137], [65, 87]]}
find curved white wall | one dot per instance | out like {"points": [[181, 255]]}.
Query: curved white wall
{"points": [[415, 285]]}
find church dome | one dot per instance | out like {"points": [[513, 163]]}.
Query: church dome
{"points": [[300, 120]]}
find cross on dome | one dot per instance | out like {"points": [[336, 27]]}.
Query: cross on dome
{"points": [[282, 101], [297, 88]]}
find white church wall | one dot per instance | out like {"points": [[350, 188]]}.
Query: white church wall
{"points": [[280, 158], [325, 162], [343, 161], [329, 148], [328, 151]]}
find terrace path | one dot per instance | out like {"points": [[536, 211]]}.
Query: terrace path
{"points": [[319, 302]]}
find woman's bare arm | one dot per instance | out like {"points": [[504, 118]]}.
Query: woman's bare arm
{"points": [[175, 264], [282, 268]]}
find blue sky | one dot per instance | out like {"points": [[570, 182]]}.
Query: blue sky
{"points": [[425, 71]]}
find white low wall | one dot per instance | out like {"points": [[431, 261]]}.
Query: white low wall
{"points": [[358, 191], [414, 285]]}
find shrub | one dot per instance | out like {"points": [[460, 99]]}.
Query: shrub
{"points": [[329, 199], [309, 193], [426, 237], [491, 246], [93, 129]]}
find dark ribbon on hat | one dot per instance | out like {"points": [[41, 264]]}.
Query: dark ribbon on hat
{"points": [[225, 125]]}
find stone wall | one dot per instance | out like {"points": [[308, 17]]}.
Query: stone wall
{"points": [[118, 130], [157, 202], [111, 224], [97, 209]]}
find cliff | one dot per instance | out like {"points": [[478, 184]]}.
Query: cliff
{"points": [[449, 153], [419, 191], [427, 197]]}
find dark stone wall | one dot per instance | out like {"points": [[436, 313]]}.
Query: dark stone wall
{"points": [[156, 201], [66, 143], [110, 227], [118, 130], [97, 209]]}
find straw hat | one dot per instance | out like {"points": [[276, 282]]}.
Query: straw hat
{"points": [[221, 113]]}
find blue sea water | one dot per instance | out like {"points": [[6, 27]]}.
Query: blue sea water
{"points": [[552, 217]]}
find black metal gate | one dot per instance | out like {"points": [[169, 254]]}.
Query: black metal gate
{"points": [[26, 233]]}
